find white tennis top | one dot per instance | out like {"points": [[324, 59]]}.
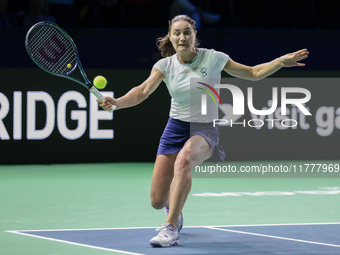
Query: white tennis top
{"points": [[183, 80]]}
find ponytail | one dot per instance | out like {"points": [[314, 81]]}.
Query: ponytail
{"points": [[165, 46]]}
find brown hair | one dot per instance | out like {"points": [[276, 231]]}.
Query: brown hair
{"points": [[164, 44]]}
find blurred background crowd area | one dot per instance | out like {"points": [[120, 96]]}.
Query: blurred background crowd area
{"points": [[247, 14]]}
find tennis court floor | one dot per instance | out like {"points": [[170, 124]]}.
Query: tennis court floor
{"points": [[105, 209]]}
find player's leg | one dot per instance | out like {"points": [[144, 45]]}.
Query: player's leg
{"points": [[163, 173], [195, 151], [159, 194]]}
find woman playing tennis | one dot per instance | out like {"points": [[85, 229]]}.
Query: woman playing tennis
{"points": [[187, 140]]}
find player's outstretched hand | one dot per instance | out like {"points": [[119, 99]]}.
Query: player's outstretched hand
{"points": [[107, 103], [293, 59]]}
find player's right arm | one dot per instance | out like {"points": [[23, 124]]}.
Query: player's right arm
{"points": [[136, 95]]}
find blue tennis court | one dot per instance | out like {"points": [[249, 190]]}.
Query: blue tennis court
{"points": [[256, 239]]}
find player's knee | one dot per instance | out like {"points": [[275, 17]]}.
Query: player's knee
{"points": [[157, 203], [183, 162]]}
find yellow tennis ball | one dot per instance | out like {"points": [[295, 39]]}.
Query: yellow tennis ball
{"points": [[69, 65], [100, 82]]}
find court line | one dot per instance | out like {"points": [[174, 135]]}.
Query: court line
{"points": [[276, 224], [19, 232], [270, 236], [224, 226], [78, 244]]}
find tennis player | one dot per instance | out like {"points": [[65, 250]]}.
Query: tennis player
{"points": [[186, 143]]}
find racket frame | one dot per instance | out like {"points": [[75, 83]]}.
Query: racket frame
{"points": [[87, 84]]}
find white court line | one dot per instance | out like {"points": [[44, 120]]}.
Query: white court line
{"points": [[78, 244], [76, 229], [277, 237], [221, 226], [19, 232], [282, 224]]}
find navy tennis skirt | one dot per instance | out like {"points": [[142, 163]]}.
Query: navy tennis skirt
{"points": [[177, 132]]}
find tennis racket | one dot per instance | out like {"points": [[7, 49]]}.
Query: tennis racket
{"points": [[54, 51]]}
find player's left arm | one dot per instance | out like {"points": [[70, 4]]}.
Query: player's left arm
{"points": [[261, 71]]}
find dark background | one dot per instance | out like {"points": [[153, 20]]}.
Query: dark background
{"points": [[119, 43]]}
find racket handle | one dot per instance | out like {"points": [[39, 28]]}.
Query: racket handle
{"points": [[99, 95]]}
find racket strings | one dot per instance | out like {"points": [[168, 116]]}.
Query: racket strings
{"points": [[52, 49]]}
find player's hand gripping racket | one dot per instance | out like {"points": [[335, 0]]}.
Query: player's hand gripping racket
{"points": [[54, 51]]}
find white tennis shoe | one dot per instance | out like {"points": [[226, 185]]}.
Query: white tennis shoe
{"points": [[179, 223], [167, 236]]}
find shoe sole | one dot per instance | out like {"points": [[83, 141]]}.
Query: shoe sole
{"points": [[159, 245]]}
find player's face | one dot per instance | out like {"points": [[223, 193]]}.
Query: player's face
{"points": [[182, 36]]}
